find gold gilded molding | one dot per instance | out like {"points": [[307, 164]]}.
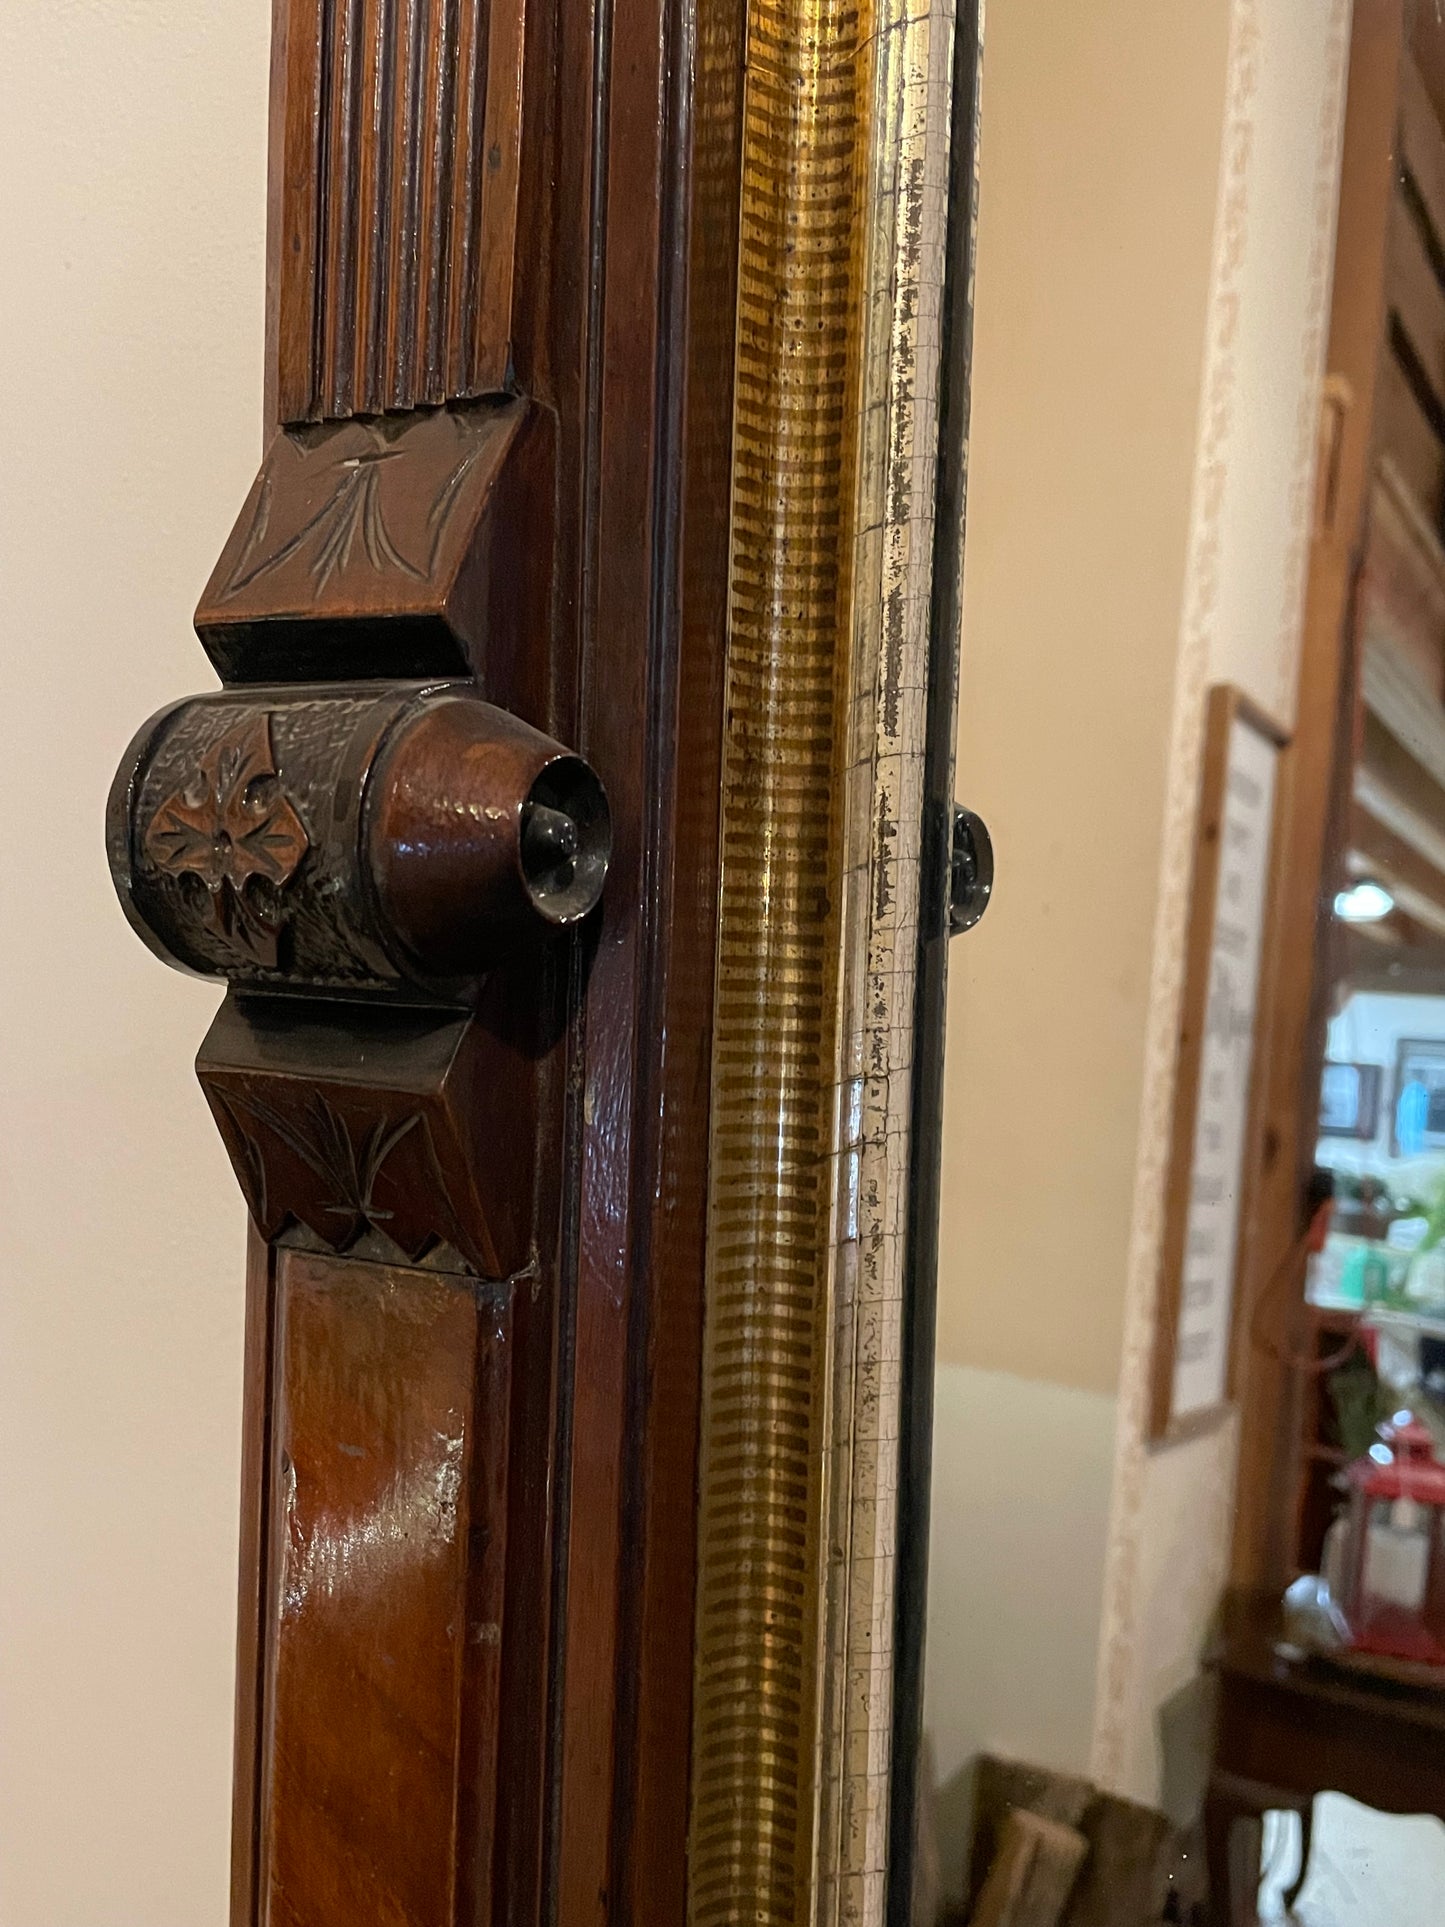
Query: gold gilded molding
{"points": [[898, 403], [844, 227], [767, 1356]]}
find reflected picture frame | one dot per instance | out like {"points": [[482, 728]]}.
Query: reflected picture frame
{"points": [[1350, 1100]]}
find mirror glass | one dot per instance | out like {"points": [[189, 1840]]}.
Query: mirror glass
{"points": [[1186, 1601]]}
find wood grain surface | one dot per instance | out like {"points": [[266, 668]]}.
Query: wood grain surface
{"points": [[385, 1550], [395, 212]]}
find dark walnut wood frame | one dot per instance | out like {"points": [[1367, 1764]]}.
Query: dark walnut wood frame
{"points": [[501, 297], [450, 835]]}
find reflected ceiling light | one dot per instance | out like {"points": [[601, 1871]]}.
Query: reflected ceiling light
{"points": [[1364, 902]]}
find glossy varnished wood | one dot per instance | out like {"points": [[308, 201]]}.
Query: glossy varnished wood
{"points": [[654, 387], [252, 1589], [407, 1130], [564, 545], [1291, 1726], [368, 839], [625, 324], [386, 1537]]}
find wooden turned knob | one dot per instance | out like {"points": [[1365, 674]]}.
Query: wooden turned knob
{"points": [[363, 839], [479, 826]]}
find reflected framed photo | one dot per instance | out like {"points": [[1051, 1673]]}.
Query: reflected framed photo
{"points": [[1350, 1100], [1215, 1107]]}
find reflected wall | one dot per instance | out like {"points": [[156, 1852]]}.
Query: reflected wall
{"points": [[1156, 231]]}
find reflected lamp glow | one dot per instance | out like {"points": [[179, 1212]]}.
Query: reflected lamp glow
{"points": [[1364, 902]]}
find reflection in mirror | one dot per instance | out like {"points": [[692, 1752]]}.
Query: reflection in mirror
{"points": [[1185, 1651]]}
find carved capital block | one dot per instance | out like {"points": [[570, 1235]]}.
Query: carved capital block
{"points": [[391, 546], [389, 840]]}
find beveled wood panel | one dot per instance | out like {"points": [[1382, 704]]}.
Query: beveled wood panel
{"points": [[399, 127], [1406, 435], [1402, 581], [406, 1130], [383, 1641], [1422, 153], [1417, 301]]}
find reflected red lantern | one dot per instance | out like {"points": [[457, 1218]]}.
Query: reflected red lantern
{"points": [[1394, 1563]]}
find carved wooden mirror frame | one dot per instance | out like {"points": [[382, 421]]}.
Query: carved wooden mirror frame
{"points": [[573, 836]]}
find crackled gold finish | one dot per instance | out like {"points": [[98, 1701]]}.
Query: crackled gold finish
{"points": [[845, 223], [775, 1067]]}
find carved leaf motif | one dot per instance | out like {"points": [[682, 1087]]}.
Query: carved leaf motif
{"points": [[231, 824], [252, 1159], [353, 510], [348, 1168], [440, 513]]}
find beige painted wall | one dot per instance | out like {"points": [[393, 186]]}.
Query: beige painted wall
{"points": [[1146, 358], [131, 210]]}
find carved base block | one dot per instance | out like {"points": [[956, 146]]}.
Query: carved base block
{"points": [[397, 1130]]}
